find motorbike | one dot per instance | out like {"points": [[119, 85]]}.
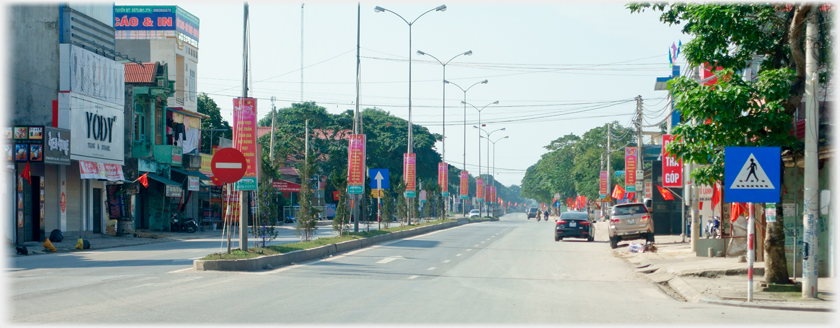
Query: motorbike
{"points": [[181, 225], [713, 227]]}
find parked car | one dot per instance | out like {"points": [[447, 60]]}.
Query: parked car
{"points": [[289, 219], [532, 212], [473, 214], [630, 221], [573, 224]]}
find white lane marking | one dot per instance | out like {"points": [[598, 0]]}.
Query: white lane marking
{"points": [[476, 245], [457, 254], [482, 242], [181, 270], [469, 249], [430, 269], [447, 261], [412, 277], [389, 259]]}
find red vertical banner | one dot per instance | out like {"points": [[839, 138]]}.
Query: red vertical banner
{"points": [[443, 179], [356, 164], [465, 185], [630, 165], [479, 189], [245, 139], [409, 169], [602, 190], [671, 167], [493, 193]]}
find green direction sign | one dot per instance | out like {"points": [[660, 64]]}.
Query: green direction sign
{"points": [[355, 190], [651, 152], [248, 183], [464, 197], [410, 194], [630, 188], [479, 200], [444, 194]]}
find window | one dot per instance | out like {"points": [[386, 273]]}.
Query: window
{"points": [[192, 85], [626, 210], [139, 123]]}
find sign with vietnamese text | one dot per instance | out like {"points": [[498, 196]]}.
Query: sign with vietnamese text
{"points": [[409, 171], [286, 186], [443, 179], [193, 183], [630, 165], [465, 184], [156, 18], [356, 164], [479, 189], [602, 185], [245, 139], [671, 167]]}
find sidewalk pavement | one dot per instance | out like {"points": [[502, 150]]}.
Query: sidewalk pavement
{"points": [[716, 280]]}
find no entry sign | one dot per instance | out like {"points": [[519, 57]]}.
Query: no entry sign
{"points": [[228, 165]]}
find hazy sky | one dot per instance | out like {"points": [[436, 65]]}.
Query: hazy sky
{"points": [[555, 68]]}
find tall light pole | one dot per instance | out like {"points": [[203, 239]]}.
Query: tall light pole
{"points": [[464, 208], [468, 53], [494, 155], [479, 142], [410, 126]]}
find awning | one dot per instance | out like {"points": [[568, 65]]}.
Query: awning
{"points": [[162, 179], [191, 173], [182, 111]]}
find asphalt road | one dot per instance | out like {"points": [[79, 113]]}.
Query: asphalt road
{"points": [[509, 272]]}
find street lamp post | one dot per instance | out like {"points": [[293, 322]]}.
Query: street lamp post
{"points": [[468, 53], [463, 207], [410, 24], [479, 142], [494, 157]]}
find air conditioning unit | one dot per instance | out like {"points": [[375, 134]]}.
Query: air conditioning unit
{"points": [[192, 161]]}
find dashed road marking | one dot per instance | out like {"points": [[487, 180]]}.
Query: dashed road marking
{"points": [[447, 261], [432, 268], [457, 254], [469, 249], [412, 277]]}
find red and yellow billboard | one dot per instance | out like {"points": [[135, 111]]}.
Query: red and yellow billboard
{"points": [[356, 164], [630, 165], [443, 178], [671, 167], [465, 184], [409, 173], [245, 139]]}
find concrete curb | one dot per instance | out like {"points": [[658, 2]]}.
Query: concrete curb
{"points": [[277, 260], [771, 306]]}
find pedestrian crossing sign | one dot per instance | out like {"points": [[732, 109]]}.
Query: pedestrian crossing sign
{"points": [[752, 174]]}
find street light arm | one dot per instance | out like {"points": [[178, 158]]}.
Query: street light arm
{"points": [[430, 55], [455, 84], [468, 53], [439, 8], [379, 9]]}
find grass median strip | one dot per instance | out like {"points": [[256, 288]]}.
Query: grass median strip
{"points": [[255, 252]]}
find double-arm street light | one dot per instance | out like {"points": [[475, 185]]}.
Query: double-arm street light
{"points": [[468, 53], [464, 208], [479, 141], [494, 155], [486, 183], [410, 126]]}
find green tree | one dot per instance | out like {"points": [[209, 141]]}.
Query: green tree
{"points": [[387, 209], [756, 112], [205, 105], [342, 212], [308, 214]]}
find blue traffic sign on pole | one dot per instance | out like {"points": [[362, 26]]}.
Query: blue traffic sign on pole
{"points": [[378, 178], [752, 174]]}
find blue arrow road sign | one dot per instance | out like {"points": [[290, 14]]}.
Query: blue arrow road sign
{"points": [[752, 174], [378, 175]]}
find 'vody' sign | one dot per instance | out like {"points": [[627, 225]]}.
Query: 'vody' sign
{"points": [[98, 128]]}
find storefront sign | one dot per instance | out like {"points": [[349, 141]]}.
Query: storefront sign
{"points": [[99, 171], [57, 150], [25, 144], [770, 212], [479, 189], [193, 183], [86, 73], [245, 128], [177, 156], [671, 167], [443, 179], [205, 169], [98, 128], [356, 164], [409, 174], [286, 186], [465, 184], [630, 156], [156, 18], [173, 191]]}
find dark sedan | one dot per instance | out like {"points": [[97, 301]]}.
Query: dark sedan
{"points": [[573, 224], [532, 212]]}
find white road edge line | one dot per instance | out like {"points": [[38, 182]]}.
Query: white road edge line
{"points": [[181, 270]]}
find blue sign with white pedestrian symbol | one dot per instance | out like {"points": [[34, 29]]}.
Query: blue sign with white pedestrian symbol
{"points": [[752, 174], [378, 175], [556, 203]]}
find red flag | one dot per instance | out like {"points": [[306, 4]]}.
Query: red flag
{"points": [[618, 192], [144, 180], [666, 194], [715, 196], [26, 174], [736, 211], [630, 195]]}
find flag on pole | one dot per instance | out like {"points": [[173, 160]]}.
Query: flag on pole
{"points": [[618, 192], [736, 210], [666, 194], [144, 180], [670, 60], [715, 196], [26, 174]]}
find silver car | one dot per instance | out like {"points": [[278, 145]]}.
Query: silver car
{"points": [[630, 221]]}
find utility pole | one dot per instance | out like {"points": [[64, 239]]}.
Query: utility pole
{"points": [[244, 196], [640, 164], [356, 113], [609, 153], [301, 53], [811, 208], [273, 119]]}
